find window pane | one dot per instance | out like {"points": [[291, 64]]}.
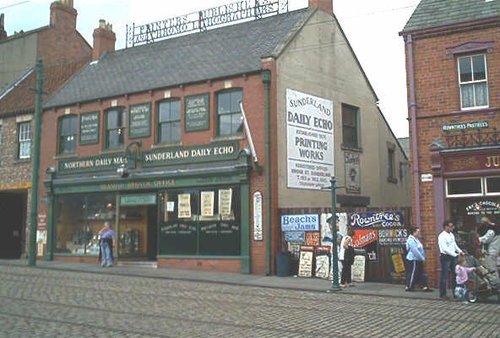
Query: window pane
{"points": [[115, 138], [481, 93], [225, 125], [236, 97], [467, 95], [176, 131], [223, 103], [493, 185], [465, 69], [464, 186], [479, 67]]}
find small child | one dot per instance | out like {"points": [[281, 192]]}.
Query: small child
{"points": [[462, 273]]}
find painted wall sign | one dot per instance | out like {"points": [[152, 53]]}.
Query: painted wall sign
{"points": [[310, 145], [487, 207], [383, 219], [139, 120], [257, 216], [90, 128], [308, 222], [465, 125], [196, 112], [352, 172]]}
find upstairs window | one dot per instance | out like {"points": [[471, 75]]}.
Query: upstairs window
{"points": [[391, 163], [229, 113], [169, 122], [350, 126], [24, 140], [67, 134], [115, 128], [473, 81]]}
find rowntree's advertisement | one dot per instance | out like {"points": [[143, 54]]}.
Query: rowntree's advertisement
{"points": [[309, 121]]}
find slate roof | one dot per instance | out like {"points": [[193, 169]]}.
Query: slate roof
{"points": [[436, 13], [21, 98], [217, 53]]}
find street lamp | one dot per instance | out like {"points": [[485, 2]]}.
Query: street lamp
{"points": [[335, 260]]}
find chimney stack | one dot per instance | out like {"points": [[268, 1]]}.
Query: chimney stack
{"points": [[104, 39], [324, 5], [63, 15], [3, 33]]}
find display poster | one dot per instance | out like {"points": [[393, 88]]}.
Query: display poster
{"points": [[295, 237], [310, 147], [170, 205], [372, 252], [352, 172], [398, 263], [207, 203], [392, 236], [358, 269], [196, 112], [225, 196], [312, 238], [184, 206], [364, 237], [305, 222], [257, 216], [377, 220], [89, 128], [306, 261], [140, 120], [322, 261]]}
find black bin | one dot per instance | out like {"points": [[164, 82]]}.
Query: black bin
{"points": [[283, 263]]}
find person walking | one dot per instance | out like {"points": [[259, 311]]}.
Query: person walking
{"points": [[415, 257], [449, 252], [107, 236], [490, 239], [346, 256]]}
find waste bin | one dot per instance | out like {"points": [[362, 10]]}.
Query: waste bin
{"points": [[283, 262]]}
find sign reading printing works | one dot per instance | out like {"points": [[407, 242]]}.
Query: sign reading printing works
{"points": [[309, 141], [157, 157]]}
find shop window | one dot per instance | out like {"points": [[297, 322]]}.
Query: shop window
{"points": [[67, 134], [350, 126], [200, 222], [115, 125], [492, 185], [24, 140], [229, 113], [464, 187], [79, 219], [169, 122], [473, 81]]}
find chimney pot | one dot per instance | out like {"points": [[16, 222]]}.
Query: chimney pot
{"points": [[104, 39]]}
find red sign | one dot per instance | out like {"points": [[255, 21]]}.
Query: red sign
{"points": [[364, 237], [312, 238]]}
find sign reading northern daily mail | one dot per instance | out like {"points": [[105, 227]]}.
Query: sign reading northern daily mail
{"points": [[309, 141]]}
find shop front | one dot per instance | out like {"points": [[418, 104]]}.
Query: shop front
{"points": [[181, 213]]}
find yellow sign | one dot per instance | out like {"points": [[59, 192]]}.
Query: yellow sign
{"points": [[15, 186], [399, 265]]}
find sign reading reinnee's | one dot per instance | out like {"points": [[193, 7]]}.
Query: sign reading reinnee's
{"points": [[309, 141]]}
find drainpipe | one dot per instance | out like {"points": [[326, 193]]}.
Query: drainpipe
{"points": [[266, 79], [413, 120]]}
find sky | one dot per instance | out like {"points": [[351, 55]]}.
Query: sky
{"points": [[371, 26]]}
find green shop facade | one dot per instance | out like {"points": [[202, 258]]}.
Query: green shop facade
{"points": [[176, 206]]}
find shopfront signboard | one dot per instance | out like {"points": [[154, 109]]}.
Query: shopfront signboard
{"points": [[138, 199], [89, 128], [196, 112]]}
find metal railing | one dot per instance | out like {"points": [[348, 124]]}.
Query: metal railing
{"points": [[469, 139]]}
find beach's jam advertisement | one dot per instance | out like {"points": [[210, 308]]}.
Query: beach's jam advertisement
{"points": [[309, 141]]}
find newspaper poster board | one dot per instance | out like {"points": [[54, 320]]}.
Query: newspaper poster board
{"points": [[322, 261], [358, 269], [306, 261]]}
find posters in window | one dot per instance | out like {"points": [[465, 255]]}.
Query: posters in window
{"points": [[358, 269], [322, 261], [207, 203], [225, 196], [309, 141], [184, 208], [306, 261]]}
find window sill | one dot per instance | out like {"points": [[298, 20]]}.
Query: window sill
{"points": [[228, 138], [355, 149], [22, 160], [65, 156], [166, 145]]}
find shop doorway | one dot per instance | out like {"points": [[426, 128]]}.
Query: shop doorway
{"points": [[137, 233], [12, 218]]}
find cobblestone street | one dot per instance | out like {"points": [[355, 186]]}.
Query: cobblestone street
{"points": [[47, 303]]}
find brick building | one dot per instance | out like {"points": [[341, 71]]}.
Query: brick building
{"points": [[153, 139], [63, 51], [453, 76]]}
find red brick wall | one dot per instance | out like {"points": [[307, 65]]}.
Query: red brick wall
{"points": [[438, 103]]}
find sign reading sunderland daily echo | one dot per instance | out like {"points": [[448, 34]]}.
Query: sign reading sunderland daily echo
{"points": [[309, 141]]}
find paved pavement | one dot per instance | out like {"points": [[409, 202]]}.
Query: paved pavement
{"points": [[291, 282], [81, 300]]}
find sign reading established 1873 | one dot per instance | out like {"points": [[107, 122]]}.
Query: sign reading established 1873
{"points": [[89, 128], [140, 120], [196, 112]]}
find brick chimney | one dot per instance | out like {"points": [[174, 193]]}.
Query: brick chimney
{"points": [[3, 33], [324, 5], [63, 15], [104, 39]]}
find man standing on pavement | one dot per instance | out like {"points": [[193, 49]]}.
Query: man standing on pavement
{"points": [[449, 256]]}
